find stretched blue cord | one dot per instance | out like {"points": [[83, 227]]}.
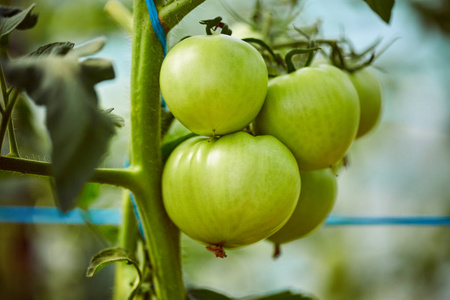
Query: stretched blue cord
{"points": [[157, 27], [51, 215]]}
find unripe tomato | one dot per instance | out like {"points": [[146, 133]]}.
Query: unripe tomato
{"points": [[232, 191], [370, 99], [314, 111], [214, 84], [317, 198]]}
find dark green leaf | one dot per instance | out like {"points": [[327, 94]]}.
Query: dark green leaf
{"points": [[14, 18], [111, 255], [58, 48], [78, 130], [383, 8], [108, 256], [285, 296], [166, 149], [203, 294]]}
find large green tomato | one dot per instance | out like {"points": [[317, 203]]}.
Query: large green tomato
{"points": [[314, 111], [232, 191], [317, 197], [214, 84], [370, 99]]}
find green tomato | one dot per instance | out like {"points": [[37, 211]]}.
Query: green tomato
{"points": [[214, 84], [370, 99], [232, 191], [317, 198], [314, 111]]}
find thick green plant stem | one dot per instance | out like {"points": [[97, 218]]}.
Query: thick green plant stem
{"points": [[171, 14], [161, 235]]}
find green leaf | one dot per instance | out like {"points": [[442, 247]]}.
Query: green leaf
{"points": [[167, 148], [79, 131], [108, 256], [14, 18], [203, 294], [286, 296], [383, 8], [112, 255]]}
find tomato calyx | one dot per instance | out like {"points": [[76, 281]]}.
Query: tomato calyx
{"points": [[214, 24], [217, 249], [288, 58]]}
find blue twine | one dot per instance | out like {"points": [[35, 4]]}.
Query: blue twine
{"points": [[51, 215], [160, 33], [157, 27]]}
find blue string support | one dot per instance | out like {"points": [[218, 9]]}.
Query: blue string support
{"points": [[110, 216]]}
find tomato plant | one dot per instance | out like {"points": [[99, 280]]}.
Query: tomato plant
{"points": [[232, 191], [225, 192], [214, 83], [314, 111], [317, 197]]}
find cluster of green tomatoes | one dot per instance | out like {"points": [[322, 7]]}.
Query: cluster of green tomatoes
{"points": [[230, 187]]}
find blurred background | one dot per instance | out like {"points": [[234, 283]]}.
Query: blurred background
{"points": [[400, 169]]}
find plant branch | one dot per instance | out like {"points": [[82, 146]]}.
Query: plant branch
{"points": [[127, 239], [13, 149], [171, 14], [120, 14], [119, 177]]}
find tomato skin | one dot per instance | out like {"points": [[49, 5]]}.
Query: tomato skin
{"points": [[317, 198], [232, 191], [370, 97], [214, 83], [314, 111]]}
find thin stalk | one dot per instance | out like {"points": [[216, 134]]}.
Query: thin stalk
{"points": [[119, 177], [13, 149], [6, 120], [119, 13], [128, 240]]}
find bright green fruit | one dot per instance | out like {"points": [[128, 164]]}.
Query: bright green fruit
{"points": [[370, 99], [214, 83], [317, 198], [232, 191], [314, 111]]}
